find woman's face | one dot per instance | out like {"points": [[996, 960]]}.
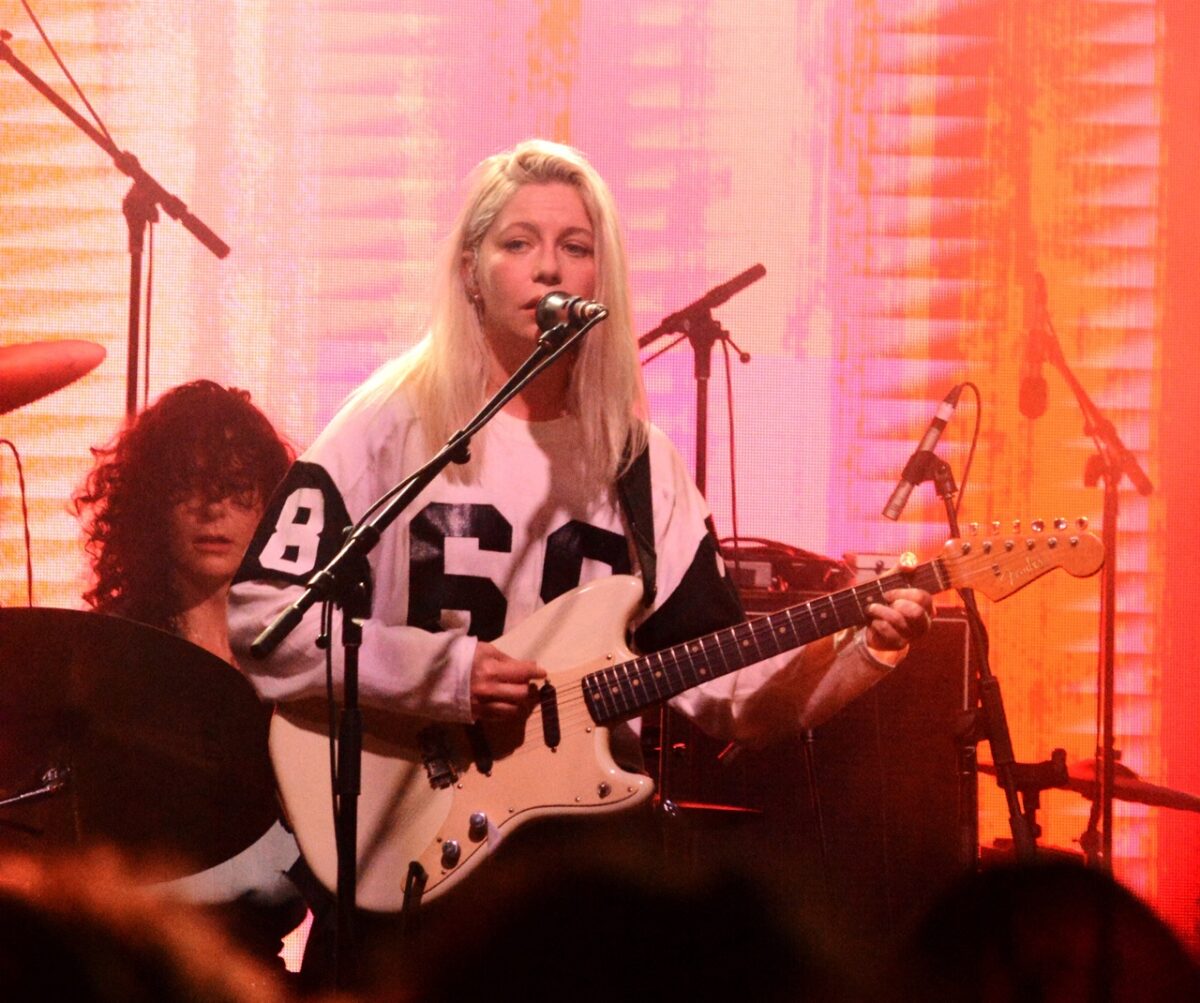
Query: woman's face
{"points": [[209, 537], [541, 240]]}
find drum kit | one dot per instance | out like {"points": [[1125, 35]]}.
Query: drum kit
{"points": [[113, 733]]}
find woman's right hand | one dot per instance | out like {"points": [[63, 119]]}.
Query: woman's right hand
{"points": [[502, 688]]}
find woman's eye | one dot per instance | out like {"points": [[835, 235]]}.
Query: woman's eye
{"points": [[579, 250], [516, 244]]}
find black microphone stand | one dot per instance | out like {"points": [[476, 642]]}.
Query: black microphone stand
{"points": [[696, 324], [1111, 462], [140, 207], [345, 582], [987, 719]]}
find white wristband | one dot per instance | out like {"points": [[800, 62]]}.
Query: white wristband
{"points": [[879, 659]]}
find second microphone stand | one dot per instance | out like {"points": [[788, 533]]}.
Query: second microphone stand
{"points": [[695, 324], [987, 719]]}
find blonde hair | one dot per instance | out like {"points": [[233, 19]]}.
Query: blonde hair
{"points": [[446, 373]]}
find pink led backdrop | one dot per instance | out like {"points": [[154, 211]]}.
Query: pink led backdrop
{"points": [[901, 170]]}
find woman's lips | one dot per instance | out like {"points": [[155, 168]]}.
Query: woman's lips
{"points": [[212, 542]]}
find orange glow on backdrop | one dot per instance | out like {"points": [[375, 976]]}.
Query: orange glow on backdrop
{"points": [[903, 171]]}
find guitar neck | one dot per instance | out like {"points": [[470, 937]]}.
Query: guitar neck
{"points": [[622, 691]]}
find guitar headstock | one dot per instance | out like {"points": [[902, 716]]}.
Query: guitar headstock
{"points": [[1001, 564]]}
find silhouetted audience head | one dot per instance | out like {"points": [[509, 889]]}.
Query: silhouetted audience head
{"points": [[79, 929], [595, 916], [1044, 932]]}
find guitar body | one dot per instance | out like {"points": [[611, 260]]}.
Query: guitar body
{"points": [[403, 816], [443, 795]]}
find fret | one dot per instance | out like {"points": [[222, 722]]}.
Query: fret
{"points": [[631, 686], [618, 693], [721, 650], [660, 674], [793, 635], [598, 705], [650, 677], [750, 641], [763, 630], [672, 661]]}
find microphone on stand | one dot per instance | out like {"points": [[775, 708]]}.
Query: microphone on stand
{"points": [[1032, 394], [558, 307], [913, 470]]}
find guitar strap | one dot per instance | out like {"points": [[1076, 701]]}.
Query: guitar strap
{"points": [[633, 492]]}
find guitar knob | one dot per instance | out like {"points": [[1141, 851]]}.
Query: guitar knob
{"points": [[973, 528], [1016, 526], [1060, 523], [1037, 525], [477, 825], [995, 527], [451, 852], [1082, 522]]}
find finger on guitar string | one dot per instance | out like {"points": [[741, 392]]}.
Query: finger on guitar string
{"points": [[905, 617], [502, 687]]}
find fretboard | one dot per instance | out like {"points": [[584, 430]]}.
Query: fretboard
{"points": [[624, 690]]}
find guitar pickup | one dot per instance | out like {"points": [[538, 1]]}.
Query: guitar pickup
{"points": [[435, 755], [481, 750], [551, 731]]}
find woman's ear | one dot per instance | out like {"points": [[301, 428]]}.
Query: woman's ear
{"points": [[466, 270]]}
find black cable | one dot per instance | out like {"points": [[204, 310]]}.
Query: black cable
{"points": [[148, 313], [962, 487], [63, 66], [733, 503], [25, 515]]}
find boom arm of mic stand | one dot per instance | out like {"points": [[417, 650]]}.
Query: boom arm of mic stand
{"points": [[1123, 461], [681, 321], [127, 163]]}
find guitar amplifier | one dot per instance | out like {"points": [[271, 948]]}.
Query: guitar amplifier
{"points": [[867, 816]]}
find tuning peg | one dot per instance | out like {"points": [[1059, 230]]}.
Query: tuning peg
{"points": [[1037, 525], [1082, 522], [1060, 523]]}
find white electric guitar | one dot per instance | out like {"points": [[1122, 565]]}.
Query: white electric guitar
{"points": [[442, 795]]}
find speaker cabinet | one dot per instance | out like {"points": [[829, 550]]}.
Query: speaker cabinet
{"points": [[870, 815]]}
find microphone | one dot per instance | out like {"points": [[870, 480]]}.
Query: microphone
{"points": [[914, 469], [1032, 394], [559, 307]]}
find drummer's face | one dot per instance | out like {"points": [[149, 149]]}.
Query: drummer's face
{"points": [[209, 537]]}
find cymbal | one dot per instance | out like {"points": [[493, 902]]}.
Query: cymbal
{"points": [[123, 734], [1127, 786], [28, 372]]}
